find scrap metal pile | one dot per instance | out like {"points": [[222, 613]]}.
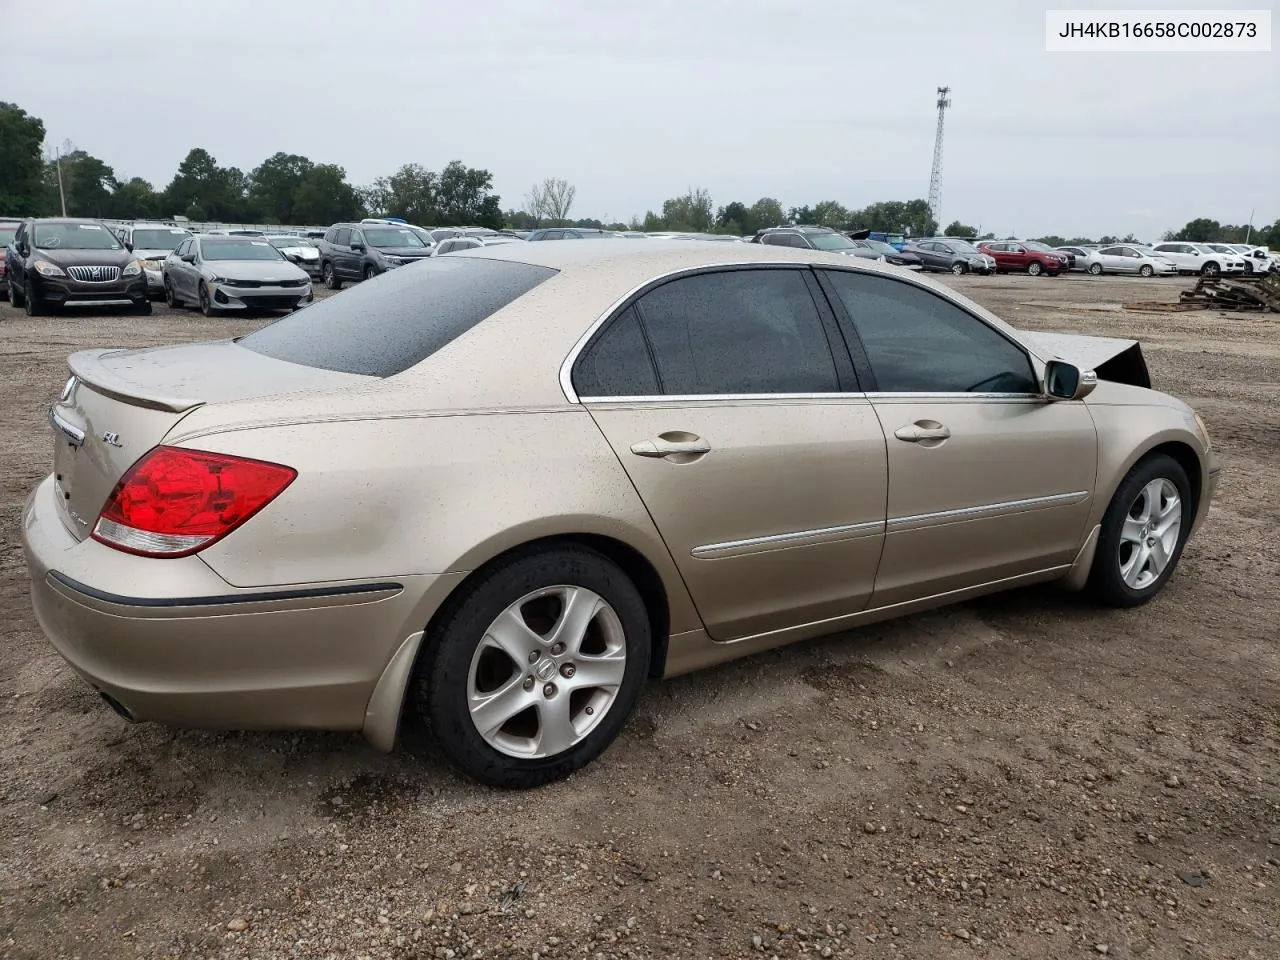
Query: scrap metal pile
{"points": [[1221, 293]]}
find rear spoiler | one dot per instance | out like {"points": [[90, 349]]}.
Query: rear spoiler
{"points": [[87, 366]]}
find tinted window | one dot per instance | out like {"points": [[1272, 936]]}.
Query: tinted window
{"points": [[918, 342], [342, 238], [384, 328], [617, 363], [775, 239], [331, 235], [741, 331], [1111, 252]]}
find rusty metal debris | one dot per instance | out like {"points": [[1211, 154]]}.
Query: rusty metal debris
{"points": [[1220, 293]]}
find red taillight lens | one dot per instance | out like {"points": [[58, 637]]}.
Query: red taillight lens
{"points": [[174, 502]]}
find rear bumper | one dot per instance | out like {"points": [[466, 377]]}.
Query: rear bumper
{"points": [[169, 640]]}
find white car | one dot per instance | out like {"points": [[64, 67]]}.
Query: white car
{"points": [[1199, 258], [1129, 258], [1256, 259], [1233, 256], [1086, 257], [298, 250]]}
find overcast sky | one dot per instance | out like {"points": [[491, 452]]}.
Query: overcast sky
{"points": [[633, 102]]}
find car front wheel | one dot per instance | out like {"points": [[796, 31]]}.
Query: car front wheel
{"points": [[1147, 270], [206, 305], [1034, 268], [531, 671], [959, 269], [330, 278], [1095, 269], [1143, 532], [15, 296]]}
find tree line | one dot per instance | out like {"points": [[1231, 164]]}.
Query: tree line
{"points": [[290, 189]]}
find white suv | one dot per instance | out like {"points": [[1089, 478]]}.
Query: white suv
{"points": [[1200, 258], [1256, 259]]}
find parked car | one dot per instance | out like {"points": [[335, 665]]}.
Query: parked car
{"points": [[1128, 258], [220, 273], [423, 498], [359, 251], [8, 229], [1233, 261], [469, 243], [1199, 258], [298, 250], [569, 233], [1019, 256], [65, 261], [152, 243], [1042, 247], [1256, 259], [233, 232], [812, 238], [952, 255], [891, 254], [1081, 258]]}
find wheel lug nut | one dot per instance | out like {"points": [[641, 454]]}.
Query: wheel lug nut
{"points": [[533, 656], [568, 670], [528, 683], [557, 649], [589, 711], [549, 690]]}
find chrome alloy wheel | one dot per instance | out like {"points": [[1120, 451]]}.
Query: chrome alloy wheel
{"points": [[546, 672], [1149, 534]]}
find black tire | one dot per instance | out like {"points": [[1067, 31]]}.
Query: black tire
{"points": [[1095, 269], [370, 272], [142, 308], [1146, 270], [1210, 269], [32, 303], [1248, 268], [1105, 582], [170, 297], [331, 280], [1034, 268], [15, 297], [443, 670], [206, 305], [959, 268]]}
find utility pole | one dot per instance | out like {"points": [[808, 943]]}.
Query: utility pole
{"points": [[1249, 230], [935, 178], [57, 156]]}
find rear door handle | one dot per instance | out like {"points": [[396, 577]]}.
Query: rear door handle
{"points": [[662, 446], [923, 431]]}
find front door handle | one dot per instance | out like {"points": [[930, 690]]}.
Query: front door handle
{"points": [[928, 432], [683, 446]]}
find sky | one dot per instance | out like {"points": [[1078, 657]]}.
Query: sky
{"points": [[635, 101]]}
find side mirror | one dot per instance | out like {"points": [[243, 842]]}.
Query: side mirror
{"points": [[357, 245], [1066, 381], [188, 258], [129, 247]]}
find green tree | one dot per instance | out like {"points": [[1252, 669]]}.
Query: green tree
{"points": [[734, 218], [410, 192], [895, 216], [22, 189], [324, 196], [465, 196], [202, 190], [1199, 230], [692, 212], [87, 182], [1052, 240], [135, 199], [274, 186], [765, 212], [957, 229]]}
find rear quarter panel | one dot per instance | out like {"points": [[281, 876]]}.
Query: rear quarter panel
{"points": [[433, 495]]}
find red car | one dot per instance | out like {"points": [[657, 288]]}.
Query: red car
{"points": [[1024, 256], [7, 229]]}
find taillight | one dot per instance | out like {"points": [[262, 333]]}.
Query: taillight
{"points": [[174, 502]]}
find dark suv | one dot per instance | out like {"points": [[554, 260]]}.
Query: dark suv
{"points": [[358, 251], [62, 261]]}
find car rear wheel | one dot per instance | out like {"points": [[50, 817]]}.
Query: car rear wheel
{"points": [[1034, 268], [330, 278], [206, 305], [1143, 532], [1095, 269], [1210, 269], [531, 671], [959, 269], [170, 297]]}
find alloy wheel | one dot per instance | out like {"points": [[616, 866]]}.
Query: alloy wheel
{"points": [[546, 672], [1149, 534]]}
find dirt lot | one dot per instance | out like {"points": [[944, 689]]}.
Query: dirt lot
{"points": [[1022, 776]]}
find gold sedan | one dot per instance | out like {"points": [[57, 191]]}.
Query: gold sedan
{"points": [[502, 487]]}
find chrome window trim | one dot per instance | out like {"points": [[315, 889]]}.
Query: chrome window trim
{"points": [[972, 513], [566, 366], [732, 548], [721, 397]]}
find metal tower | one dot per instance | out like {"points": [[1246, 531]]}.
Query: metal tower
{"points": [[935, 178]]}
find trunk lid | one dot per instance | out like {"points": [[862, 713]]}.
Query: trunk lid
{"points": [[119, 404]]}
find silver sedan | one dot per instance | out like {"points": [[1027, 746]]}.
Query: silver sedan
{"points": [[224, 273]]}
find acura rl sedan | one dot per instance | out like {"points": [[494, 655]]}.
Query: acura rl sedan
{"points": [[500, 490]]}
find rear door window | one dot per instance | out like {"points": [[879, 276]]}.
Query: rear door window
{"points": [[384, 328]]}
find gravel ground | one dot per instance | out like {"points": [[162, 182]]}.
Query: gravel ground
{"points": [[1020, 776]]}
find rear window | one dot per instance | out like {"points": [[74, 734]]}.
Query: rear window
{"points": [[383, 327]]}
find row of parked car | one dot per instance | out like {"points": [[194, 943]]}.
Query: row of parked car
{"points": [[57, 261]]}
